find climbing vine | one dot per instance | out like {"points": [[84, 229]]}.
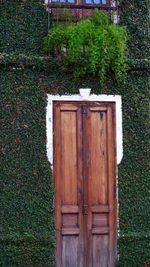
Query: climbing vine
{"points": [[92, 46], [27, 233]]}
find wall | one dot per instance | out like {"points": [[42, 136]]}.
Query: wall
{"points": [[27, 233]]}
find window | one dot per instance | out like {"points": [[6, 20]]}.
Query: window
{"points": [[96, 2], [64, 1], [92, 2], [78, 9]]}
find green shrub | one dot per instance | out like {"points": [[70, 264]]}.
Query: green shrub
{"points": [[92, 46]]}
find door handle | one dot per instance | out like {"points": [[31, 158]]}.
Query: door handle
{"points": [[85, 209]]}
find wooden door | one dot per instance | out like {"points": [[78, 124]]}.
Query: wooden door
{"points": [[85, 184]]}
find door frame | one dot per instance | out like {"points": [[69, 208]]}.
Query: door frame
{"points": [[93, 98]]}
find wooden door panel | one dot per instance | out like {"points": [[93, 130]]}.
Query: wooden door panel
{"points": [[99, 220], [69, 251], [98, 158], [69, 151], [84, 175], [67, 176], [100, 251], [100, 177], [69, 188]]}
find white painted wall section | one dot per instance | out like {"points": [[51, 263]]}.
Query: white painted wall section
{"points": [[104, 98]]}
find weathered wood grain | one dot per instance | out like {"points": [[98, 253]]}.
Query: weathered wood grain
{"points": [[85, 184]]}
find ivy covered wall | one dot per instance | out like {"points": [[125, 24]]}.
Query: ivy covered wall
{"points": [[135, 16], [22, 26], [27, 235]]}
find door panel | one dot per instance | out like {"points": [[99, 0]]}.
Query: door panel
{"points": [[67, 177], [69, 151], [100, 199], [85, 183], [98, 154], [69, 251]]}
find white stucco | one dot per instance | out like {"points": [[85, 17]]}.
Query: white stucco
{"points": [[104, 98]]}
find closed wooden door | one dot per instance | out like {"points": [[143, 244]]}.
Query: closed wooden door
{"points": [[85, 184]]}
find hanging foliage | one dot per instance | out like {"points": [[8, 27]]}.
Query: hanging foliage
{"points": [[92, 46]]}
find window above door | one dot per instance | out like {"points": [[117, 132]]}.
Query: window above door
{"points": [[75, 10], [96, 2]]}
